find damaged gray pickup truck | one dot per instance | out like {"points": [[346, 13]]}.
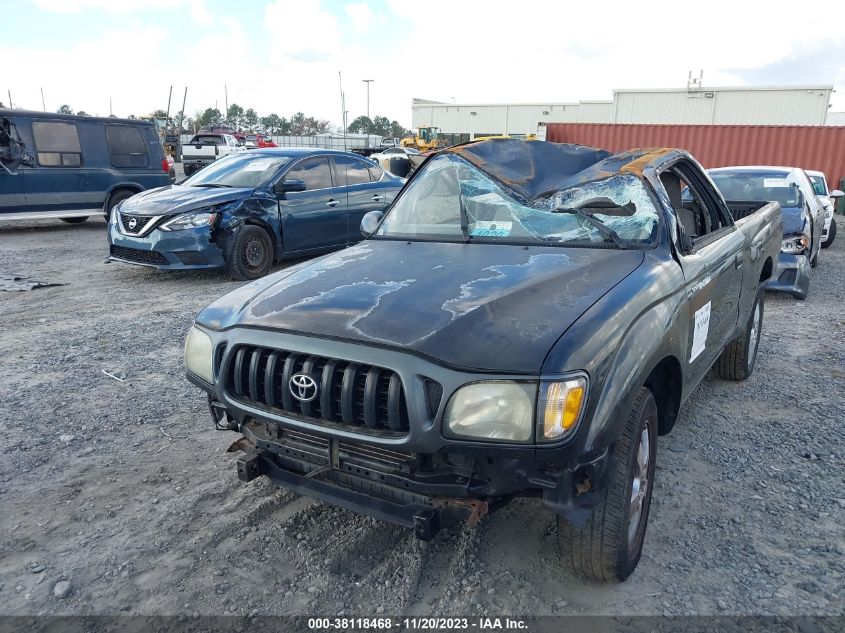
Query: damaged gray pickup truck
{"points": [[524, 320]]}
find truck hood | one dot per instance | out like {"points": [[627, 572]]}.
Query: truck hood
{"points": [[180, 199], [474, 306]]}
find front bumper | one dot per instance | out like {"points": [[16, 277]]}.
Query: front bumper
{"points": [[419, 469], [791, 276], [187, 249]]}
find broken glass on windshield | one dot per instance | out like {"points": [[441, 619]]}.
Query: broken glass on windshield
{"points": [[452, 199]]}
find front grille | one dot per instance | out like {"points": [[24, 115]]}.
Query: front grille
{"points": [[191, 258], [134, 224], [370, 399], [139, 256]]}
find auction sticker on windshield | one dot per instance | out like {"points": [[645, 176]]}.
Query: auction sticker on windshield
{"points": [[775, 182], [491, 229], [259, 165]]}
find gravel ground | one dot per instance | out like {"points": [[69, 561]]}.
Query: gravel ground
{"points": [[118, 497]]}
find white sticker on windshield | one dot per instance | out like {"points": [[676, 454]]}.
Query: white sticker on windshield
{"points": [[775, 182], [699, 333], [491, 229], [259, 165]]}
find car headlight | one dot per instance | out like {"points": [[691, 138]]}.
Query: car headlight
{"points": [[794, 244], [560, 407], [192, 220], [198, 354], [495, 410]]}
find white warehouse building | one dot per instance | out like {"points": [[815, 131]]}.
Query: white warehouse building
{"points": [[748, 105]]}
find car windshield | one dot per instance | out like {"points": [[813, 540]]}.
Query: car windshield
{"points": [[757, 186], [251, 137], [818, 185], [451, 200], [242, 170]]}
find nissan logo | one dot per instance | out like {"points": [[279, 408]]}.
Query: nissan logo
{"points": [[132, 223], [303, 387]]}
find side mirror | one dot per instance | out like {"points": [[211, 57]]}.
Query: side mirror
{"points": [[369, 222], [290, 185], [836, 193]]}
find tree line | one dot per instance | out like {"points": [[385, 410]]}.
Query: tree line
{"points": [[248, 119]]}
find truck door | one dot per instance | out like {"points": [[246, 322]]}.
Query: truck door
{"points": [[712, 265], [314, 218]]}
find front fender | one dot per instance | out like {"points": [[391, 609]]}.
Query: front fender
{"points": [[619, 341]]}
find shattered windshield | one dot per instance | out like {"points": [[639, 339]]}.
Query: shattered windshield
{"points": [[453, 200]]}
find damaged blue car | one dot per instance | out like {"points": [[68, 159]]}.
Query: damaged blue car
{"points": [[247, 211]]}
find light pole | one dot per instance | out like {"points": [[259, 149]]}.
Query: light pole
{"points": [[368, 82]]}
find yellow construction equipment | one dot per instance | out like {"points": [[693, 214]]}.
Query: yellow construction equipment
{"points": [[426, 139]]}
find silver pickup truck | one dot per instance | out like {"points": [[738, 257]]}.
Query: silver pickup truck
{"points": [[204, 149]]}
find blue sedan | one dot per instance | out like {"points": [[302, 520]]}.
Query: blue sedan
{"points": [[248, 210]]}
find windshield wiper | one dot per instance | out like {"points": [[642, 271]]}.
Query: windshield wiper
{"points": [[600, 226], [212, 184]]}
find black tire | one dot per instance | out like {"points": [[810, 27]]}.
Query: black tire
{"points": [[609, 546], [74, 220], [831, 234], [115, 199], [252, 254], [737, 359]]}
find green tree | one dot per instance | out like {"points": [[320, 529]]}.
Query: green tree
{"points": [[82, 113], [381, 126], [235, 116], [398, 131], [65, 109], [250, 119], [361, 125], [211, 116], [274, 124]]}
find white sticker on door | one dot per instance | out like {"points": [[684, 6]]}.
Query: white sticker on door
{"points": [[699, 333]]}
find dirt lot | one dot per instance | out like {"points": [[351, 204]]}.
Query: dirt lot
{"points": [[124, 491]]}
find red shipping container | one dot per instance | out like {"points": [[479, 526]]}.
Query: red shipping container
{"points": [[811, 147]]}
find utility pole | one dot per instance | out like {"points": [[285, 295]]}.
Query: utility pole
{"points": [[167, 116], [342, 108], [226, 95], [368, 82], [111, 112], [10, 98], [184, 98], [44, 107]]}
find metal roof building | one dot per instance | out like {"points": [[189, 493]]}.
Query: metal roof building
{"points": [[747, 105]]}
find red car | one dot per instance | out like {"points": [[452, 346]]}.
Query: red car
{"points": [[258, 141]]}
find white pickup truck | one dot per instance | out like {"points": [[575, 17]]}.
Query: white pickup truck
{"points": [[204, 149]]}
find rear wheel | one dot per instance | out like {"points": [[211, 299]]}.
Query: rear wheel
{"points": [[831, 234], [738, 357], [252, 254], [75, 220], [609, 546]]}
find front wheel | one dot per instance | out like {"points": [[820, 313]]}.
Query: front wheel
{"points": [[737, 359], [609, 546], [831, 234], [252, 254]]}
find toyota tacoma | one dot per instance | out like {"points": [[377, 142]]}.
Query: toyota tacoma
{"points": [[524, 320]]}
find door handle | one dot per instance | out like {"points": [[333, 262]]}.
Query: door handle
{"points": [[377, 198], [738, 261], [332, 203]]}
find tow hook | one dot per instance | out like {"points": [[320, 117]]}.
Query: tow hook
{"points": [[249, 467], [220, 416]]}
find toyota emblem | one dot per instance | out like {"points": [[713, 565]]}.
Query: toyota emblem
{"points": [[132, 223], [303, 387]]}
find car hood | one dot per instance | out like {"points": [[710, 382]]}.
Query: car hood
{"points": [[475, 306], [179, 199]]}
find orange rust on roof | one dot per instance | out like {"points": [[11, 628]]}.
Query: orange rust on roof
{"points": [[637, 165]]}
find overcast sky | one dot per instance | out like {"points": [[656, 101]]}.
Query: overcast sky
{"points": [[283, 56]]}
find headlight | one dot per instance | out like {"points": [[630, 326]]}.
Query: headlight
{"points": [[560, 407], [496, 410], [189, 221], [198, 354], [794, 244]]}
